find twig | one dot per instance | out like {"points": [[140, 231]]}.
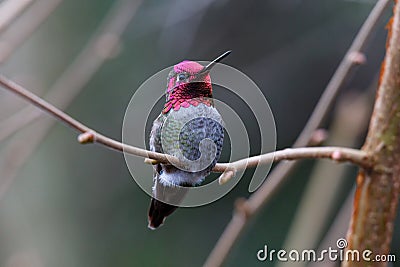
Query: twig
{"points": [[101, 47], [99, 138], [279, 175], [335, 153], [89, 135], [10, 9]]}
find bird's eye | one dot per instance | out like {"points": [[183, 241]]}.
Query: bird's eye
{"points": [[181, 77]]}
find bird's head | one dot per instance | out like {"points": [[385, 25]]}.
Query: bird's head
{"points": [[189, 83]]}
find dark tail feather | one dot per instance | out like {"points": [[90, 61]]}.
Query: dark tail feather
{"points": [[158, 212]]}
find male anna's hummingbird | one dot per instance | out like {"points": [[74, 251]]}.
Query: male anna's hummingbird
{"points": [[189, 128]]}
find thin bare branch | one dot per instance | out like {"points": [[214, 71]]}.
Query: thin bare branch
{"points": [[102, 46], [280, 173], [335, 153], [89, 135]]}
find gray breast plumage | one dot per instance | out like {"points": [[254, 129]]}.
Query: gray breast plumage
{"points": [[194, 135]]}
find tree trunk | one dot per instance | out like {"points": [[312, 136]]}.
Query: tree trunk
{"points": [[376, 198]]}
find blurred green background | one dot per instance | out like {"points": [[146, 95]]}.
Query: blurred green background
{"points": [[77, 205]]}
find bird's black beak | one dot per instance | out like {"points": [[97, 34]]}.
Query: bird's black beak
{"points": [[215, 61]]}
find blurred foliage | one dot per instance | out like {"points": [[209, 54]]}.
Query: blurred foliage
{"points": [[74, 205]]}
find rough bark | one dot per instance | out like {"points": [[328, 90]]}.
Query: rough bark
{"points": [[377, 195]]}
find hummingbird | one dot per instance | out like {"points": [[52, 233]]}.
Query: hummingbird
{"points": [[189, 128]]}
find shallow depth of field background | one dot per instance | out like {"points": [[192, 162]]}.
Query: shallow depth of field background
{"points": [[77, 205]]}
